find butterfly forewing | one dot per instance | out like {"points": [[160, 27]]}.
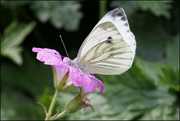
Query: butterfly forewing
{"points": [[110, 47]]}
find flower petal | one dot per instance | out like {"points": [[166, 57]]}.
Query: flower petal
{"points": [[90, 84], [48, 56], [53, 62], [100, 84], [76, 76], [35, 49]]}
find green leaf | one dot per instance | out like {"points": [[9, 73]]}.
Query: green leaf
{"points": [[165, 76], [172, 52], [32, 77], [13, 36], [162, 112], [150, 46], [61, 14], [16, 105], [170, 78], [158, 8], [154, 69]]}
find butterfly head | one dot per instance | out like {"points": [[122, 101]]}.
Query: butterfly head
{"points": [[74, 63]]}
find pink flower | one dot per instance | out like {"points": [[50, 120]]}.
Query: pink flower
{"points": [[62, 69]]}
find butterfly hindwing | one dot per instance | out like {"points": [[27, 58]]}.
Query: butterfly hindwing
{"points": [[111, 56]]}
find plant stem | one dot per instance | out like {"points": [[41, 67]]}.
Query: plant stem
{"points": [[59, 115], [102, 7], [52, 105]]}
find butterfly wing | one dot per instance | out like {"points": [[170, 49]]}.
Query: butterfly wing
{"points": [[109, 49]]}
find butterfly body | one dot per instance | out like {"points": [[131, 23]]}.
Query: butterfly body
{"points": [[109, 49]]}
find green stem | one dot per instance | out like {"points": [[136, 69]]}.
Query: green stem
{"points": [[52, 105], [102, 7], [59, 115]]}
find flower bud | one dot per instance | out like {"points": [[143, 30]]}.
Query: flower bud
{"points": [[62, 81], [78, 103]]}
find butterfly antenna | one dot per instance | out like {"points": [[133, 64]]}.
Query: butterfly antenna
{"points": [[64, 46]]}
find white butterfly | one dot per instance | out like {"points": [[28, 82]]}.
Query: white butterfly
{"points": [[110, 47]]}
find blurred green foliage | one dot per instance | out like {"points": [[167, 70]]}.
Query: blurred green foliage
{"points": [[60, 14], [12, 37], [149, 90]]}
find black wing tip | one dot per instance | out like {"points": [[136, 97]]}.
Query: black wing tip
{"points": [[118, 12]]}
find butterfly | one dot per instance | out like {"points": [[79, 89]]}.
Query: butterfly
{"points": [[110, 47]]}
